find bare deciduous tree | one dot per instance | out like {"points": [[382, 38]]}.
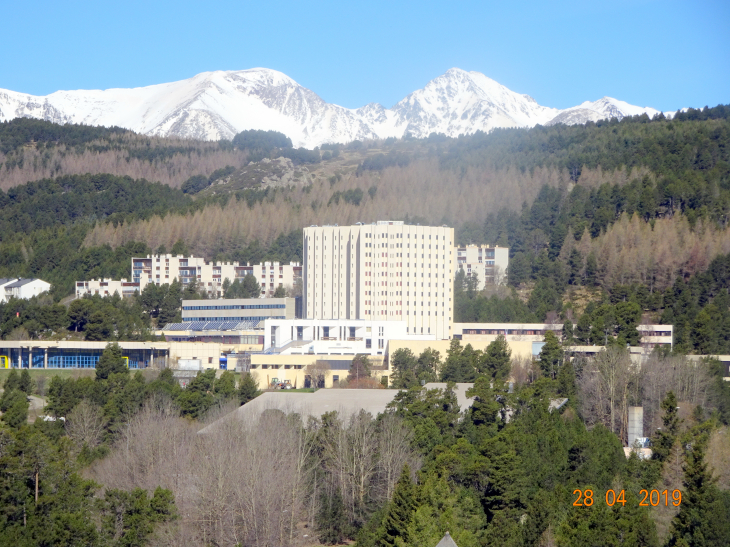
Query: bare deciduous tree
{"points": [[251, 481], [690, 381], [525, 370], [604, 383], [318, 371], [394, 451], [85, 424]]}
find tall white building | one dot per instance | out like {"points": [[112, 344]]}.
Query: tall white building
{"points": [[382, 271], [488, 264]]}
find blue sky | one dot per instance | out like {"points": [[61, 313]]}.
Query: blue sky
{"points": [[665, 54]]}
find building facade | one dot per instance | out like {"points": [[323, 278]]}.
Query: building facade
{"points": [[488, 264], [161, 269], [106, 287], [651, 335], [382, 271], [238, 309], [334, 336], [22, 288]]}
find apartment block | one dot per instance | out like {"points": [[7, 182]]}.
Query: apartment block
{"points": [[161, 269], [488, 264], [386, 270]]}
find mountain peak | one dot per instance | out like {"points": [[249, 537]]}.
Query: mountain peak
{"points": [[219, 104]]}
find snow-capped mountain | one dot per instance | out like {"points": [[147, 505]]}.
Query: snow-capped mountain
{"points": [[216, 105]]}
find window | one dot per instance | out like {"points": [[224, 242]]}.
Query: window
{"points": [[368, 343]]}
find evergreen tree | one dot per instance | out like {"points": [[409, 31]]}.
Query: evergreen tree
{"points": [[400, 512], [566, 381], [331, 518], [568, 337], [495, 361], [225, 386], [248, 388], [15, 408], [696, 523], [404, 364], [485, 408], [583, 329], [170, 308], [360, 368], [551, 355], [665, 438], [250, 287], [12, 381], [110, 362], [26, 383], [458, 366]]}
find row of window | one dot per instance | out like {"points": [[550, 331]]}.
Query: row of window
{"points": [[237, 307], [248, 318]]}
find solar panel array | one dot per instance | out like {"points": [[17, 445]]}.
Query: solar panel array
{"points": [[211, 325], [247, 325], [176, 326]]}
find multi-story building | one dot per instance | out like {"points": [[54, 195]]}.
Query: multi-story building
{"points": [[382, 271], [161, 269], [334, 336], [488, 264], [238, 309]]}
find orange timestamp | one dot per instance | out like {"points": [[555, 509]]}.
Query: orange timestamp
{"points": [[651, 498]]}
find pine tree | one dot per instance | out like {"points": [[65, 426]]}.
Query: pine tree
{"points": [[695, 524], [248, 388], [551, 355], [568, 338], [12, 381], [250, 287], [566, 381], [664, 439], [110, 362], [26, 383], [400, 511], [331, 518], [495, 361]]}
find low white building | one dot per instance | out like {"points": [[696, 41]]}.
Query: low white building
{"points": [[651, 335], [334, 336], [22, 288], [489, 264]]}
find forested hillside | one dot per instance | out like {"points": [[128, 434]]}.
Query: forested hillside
{"points": [[585, 210], [505, 471], [33, 149]]}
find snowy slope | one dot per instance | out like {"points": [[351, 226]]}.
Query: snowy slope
{"points": [[215, 105], [601, 109]]}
